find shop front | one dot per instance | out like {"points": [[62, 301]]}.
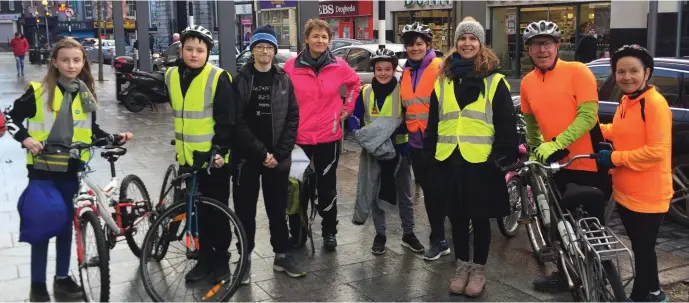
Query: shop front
{"points": [[8, 26], [107, 32], [576, 21], [76, 29], [245, 24], [282, 15], [349, 19], [437, 14]]}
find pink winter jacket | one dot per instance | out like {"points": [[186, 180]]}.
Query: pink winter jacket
{"points": [[320, 103]]}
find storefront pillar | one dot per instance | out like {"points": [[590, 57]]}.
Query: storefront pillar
{"points": [[307, 10], [652, 26], [118, 27], [142, 24], [226, 33]]}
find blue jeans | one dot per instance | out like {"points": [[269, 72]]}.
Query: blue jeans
{"points": [[20, 63], [63, 245]]}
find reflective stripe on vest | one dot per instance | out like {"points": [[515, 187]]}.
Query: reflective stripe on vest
{"points": [[391, 108], [470, 128], [40, 125], [417, 102], [193, 111]]}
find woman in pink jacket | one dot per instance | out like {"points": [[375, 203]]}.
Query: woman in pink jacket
{"points": [[317, 76]]}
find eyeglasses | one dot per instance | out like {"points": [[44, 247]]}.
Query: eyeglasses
{"points": [[260, 48], [548, 45]]}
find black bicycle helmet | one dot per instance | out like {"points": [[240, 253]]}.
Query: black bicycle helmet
{"points": [[542, 28], [384, 54], [200, 32], [636, 51], [417, 28]]}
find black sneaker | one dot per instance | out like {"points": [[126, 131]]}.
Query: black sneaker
{"points": [[329, 241], [200, 271], [437, 250], [378, 247], [552, 283], [410, 241], [66, 287], [661, 297], [221, 270], [39, 293], [246, 279], [285, 263]]}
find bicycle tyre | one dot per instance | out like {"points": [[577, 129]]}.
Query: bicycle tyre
{"points": [[126, 182], [170, 174], [536, 230], [86, 219], [175, 210], [613, 277], [504, 229]]}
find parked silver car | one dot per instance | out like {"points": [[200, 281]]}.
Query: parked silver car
{"points": [[108, 51]]}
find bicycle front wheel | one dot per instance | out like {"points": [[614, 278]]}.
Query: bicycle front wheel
{"points": [[93, 256], [509, 224], [165, 280]]}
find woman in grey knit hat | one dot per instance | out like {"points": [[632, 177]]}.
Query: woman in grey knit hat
{"points": [[473, 130]]}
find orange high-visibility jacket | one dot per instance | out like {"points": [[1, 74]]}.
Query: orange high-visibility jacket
{"points": [[418, 103]]}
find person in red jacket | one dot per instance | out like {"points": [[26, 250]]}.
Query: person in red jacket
{"points": [[19, 47], [317, 76]]}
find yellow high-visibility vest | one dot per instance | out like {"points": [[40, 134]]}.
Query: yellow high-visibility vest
{"points": [[193, 112], [391, 108], [470, 129]]}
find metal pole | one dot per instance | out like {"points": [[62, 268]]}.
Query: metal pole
{"points": [[381, 24], [118, 27], [47, 32], [226, 37], [307, 10], [190, 17], [69, 25], [142, 24], [652, 26], [100, 42], [678, 46]]}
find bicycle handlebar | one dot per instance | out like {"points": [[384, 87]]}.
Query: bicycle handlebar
{"points": [[105, 141], [551, 167]]}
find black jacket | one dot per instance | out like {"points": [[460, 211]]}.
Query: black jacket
{"points": [[285, 116], [224, 112]]}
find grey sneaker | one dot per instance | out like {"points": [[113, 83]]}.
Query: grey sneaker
{"points": [[285, 263], [246, 279], [437, 250]]}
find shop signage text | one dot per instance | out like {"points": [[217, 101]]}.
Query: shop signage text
{"points": [[128, 24], [76, 25], [424, 3], [268, 4], [339, 8], [9, 17], [242, 9]]}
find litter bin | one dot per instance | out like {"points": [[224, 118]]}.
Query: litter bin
{"points": [[33, 56], [45, 55]]}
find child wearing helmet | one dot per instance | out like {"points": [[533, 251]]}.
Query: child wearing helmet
{"points": [[641, 163], [384, 171], [192, 102]]}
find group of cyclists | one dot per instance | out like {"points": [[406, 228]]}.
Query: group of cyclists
{"points": [[449, 120]]}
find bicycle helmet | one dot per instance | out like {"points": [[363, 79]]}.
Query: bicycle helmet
{"points": [[417, 28], [200, 32], [384, 54], [542, 28], [636, 51]]}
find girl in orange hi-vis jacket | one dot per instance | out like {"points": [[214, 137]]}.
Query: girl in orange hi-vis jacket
{"points": [[641, 174]]}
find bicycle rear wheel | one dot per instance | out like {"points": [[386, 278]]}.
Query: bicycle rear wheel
{"points": [[138, 217], [607, 285], [93, 256], [164, 281]]}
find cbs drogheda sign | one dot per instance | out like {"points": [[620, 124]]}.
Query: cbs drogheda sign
{"points": [[339, 8]]}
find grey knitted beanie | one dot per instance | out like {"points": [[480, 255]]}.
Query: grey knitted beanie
{"points": [[471, 27]]}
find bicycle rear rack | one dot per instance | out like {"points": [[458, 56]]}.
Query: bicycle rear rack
{"points": [[603, 243]]}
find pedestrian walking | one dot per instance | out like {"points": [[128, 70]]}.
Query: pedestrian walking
{"points": [[317, 76], [19, 47], [203, 109], [377, 123], [64, 115], [416, 85], [472, 126], [642, 134], [267, 122]]}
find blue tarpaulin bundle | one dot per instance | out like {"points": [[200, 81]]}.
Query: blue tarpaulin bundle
{"points": [[42, 210]]}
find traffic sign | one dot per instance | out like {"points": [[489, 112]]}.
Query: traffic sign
{"points": [[69, 13]]}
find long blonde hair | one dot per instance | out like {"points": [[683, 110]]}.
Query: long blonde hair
{"points": [[50, 79], [485, 60]]}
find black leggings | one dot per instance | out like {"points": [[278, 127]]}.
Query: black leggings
{"points": [[460, 238], [325, 157], [642, 229]]}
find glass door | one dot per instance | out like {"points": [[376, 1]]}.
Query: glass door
{"points": [[347, 28]]}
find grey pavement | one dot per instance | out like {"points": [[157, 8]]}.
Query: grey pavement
{"points": [[351, 273]]}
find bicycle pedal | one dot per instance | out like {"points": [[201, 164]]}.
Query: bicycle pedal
{"points": [[547, 254]]}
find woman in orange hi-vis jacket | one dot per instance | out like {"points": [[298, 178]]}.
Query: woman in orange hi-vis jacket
{"points": [[641, 174]]}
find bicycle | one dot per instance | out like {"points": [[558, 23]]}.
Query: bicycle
{"points": [[509, 225], [588, 251], [157, 246]]}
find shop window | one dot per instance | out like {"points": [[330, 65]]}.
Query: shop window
{"points": [[334, 26], [596, 19], [279, 19], [361, 28], [359, 60], [88, 9], [563, 16], [504, 32]]}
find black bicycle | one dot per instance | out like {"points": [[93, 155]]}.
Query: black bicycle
{"points": [[171, 246]]}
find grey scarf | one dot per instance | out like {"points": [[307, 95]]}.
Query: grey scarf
{"points": [[88, 102]]}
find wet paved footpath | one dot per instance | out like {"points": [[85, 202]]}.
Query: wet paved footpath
{"points": [[351, 273]]}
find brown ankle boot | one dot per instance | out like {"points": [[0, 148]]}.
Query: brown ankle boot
{"points": [[477, 280], [459, 281]]}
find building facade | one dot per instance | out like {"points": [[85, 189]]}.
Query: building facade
{"points": [[10, 14], [349, 19]]}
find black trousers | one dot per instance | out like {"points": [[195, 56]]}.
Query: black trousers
{"points": [[460, 238], [642, 229], [325, 157], [214, 227], [434, 206], [245, 185]]}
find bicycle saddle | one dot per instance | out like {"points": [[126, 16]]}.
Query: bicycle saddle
{"points": [[119, 151], [576, 195]]}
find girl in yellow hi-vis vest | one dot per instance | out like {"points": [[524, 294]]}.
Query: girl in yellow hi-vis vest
{"points": [[59, 109], [473, 129]]}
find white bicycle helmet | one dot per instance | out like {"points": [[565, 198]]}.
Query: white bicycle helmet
{"points": [[384, 54], [419, 29], [542, 28], [200, 32]]}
